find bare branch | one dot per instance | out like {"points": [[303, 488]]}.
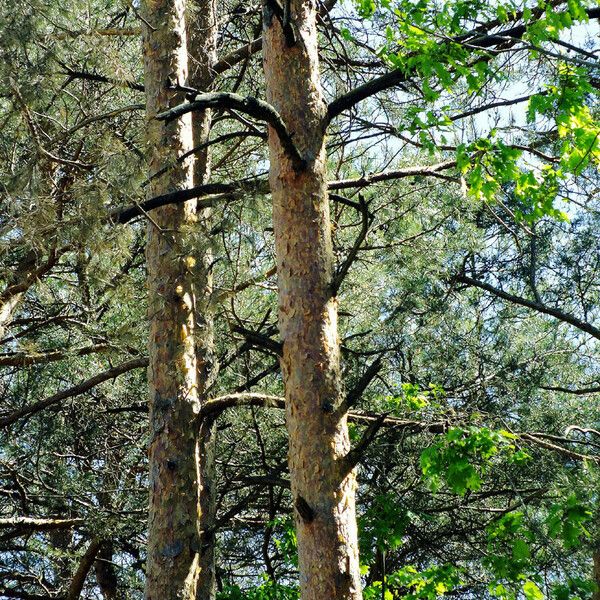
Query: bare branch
{"points": [[353, 457], [417, 171], [233, 58], [204, 193], [22, 359], [547, 310], [253, 107], [345, 267], [259, 339], [218, 405], [27, 524], [581, 430], [361, 385], [535, 439], [575, 391], [86, 75], [237, 56], [125, 215]]}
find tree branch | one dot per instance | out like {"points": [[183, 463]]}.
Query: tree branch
{"points": [[355, 454], [76, 74], [27, 272], [76, 390], [261, 340], [248, 105], [124, 215], [218, 405], [476, 40], [233, 58], [361, 385], [575, 391], [528, 437], [205, 192], [27, 524], [345, 267], [23, 359], [366, 180], [547, 310]]}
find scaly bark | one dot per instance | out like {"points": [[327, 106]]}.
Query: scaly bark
{"points": [[322, 490], [173, 537]]}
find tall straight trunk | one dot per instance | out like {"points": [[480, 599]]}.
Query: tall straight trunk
{"points": [[173, 536], [322, 490], [202, 51]]}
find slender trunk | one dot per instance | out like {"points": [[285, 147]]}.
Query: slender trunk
{"points": [[173, 536], [106, 577], [596, 574], [62, 540], [203, 55], [322, 490], [83, 568], [207, 440]]}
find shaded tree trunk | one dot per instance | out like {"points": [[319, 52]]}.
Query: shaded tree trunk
{"points": [[203, 55], [173, 567], [322, 490], [106, 577], [596, 574]]}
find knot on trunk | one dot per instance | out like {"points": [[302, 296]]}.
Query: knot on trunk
{"points": [[304, 510]]}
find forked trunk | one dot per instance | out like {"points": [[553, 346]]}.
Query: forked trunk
{"points": [[324, 495], [173, 536]]}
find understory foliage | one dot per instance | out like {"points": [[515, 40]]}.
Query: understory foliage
{"points": [[466, 218]]}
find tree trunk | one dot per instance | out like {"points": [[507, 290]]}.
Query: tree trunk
{"points": [[173, 537], [83, 568], [106, 577], [596, 574], [322, 490], [203, 55]]}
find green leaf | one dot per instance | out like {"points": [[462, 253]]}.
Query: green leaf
{"points": [[532, 591]]}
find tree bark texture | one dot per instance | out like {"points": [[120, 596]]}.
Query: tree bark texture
{"points": [[202, 24], [173, 567], [322, 490]]}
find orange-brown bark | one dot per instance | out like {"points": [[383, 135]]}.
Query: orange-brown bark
{"points": [[315, 412], [173, 536]]}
